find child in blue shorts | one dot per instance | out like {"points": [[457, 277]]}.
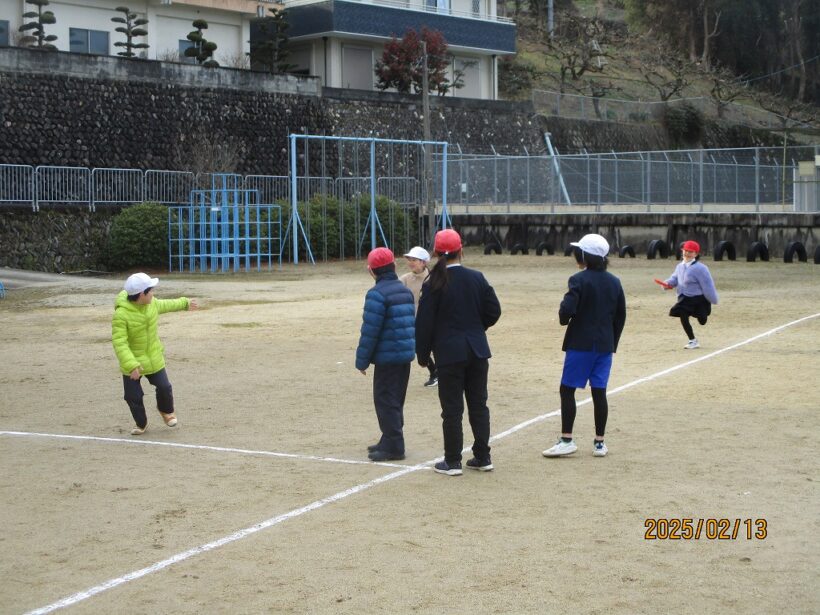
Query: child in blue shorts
{"points": [[594, 312]]}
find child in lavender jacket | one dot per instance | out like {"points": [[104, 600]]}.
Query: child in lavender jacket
{"points": [[696, 291]]}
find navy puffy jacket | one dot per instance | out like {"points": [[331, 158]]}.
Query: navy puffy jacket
{"points": [[388, 324]]}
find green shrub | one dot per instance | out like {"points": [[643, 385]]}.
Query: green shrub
{"points": [[139, 238], [684, 124], [328, 225]]}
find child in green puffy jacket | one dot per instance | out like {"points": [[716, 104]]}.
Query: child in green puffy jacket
{"points": [[135, 336]]}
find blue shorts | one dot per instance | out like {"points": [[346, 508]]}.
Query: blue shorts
{"points": [[583, 365]]}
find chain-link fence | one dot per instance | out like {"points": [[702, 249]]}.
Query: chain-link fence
{"points": [[719, 181], [632, 111]]}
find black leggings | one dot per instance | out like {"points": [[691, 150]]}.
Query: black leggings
{"points": [[568, 409], [687, 327]]}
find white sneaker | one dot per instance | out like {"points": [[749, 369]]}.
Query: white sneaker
{"points": [[691, 344], [600, 449], [560, 449], [138, 431]]}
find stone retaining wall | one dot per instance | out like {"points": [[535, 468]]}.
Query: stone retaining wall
{"points": [[54, 241], [74, 110]]}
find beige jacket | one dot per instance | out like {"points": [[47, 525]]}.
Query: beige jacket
{"points": [[413, 281]]}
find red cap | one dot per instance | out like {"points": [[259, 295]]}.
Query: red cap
{"points": [[379, 258], [447, 241], [691, 246]]}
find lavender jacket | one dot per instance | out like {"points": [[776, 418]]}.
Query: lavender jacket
{"points": [[694, 280]]}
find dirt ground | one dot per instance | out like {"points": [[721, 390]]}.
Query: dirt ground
{"points": [[273, 508]]}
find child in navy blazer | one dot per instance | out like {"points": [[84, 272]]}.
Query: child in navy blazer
{"points": [[594, 312], [456, 307]]}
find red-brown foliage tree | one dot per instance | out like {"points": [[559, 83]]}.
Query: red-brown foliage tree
{"points": [[401, 65]]}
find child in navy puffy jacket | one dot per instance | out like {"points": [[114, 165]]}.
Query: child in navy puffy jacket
{"points": [[387, 341]]}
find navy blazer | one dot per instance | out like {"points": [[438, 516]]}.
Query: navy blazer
{"points": [[595, 310], [453, 320]]}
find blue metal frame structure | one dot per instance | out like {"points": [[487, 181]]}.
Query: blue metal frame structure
{"points": [[224, 228]]}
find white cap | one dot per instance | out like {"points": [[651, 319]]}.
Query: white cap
{"points": [[137, 283], [419, 253], [593, 244]]}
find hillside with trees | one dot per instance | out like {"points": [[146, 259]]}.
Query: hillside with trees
{"points": [[764, 54]]}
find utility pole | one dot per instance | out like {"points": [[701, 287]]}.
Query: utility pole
{"points": [[550, 17], [428, 180]]}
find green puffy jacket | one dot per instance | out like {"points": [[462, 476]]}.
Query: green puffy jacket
{"points": [[134, 333]]}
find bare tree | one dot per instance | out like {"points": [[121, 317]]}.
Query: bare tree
{"points": [[236, 59], [201, 153], [661, 67], [791, 112], [169, 55], [579, 45], [709, 32], [725, 87], [794, 28], [598, 90]]}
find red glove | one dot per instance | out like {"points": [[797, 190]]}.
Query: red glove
{"points": [[662, 283]]}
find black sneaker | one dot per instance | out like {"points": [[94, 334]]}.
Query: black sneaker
{"points": [[380, 455], [442, 467], [482, 465], [432, 382]]}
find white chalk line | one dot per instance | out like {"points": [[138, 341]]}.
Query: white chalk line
{"points": [[179, 557], [202, 447], [654, 376]]}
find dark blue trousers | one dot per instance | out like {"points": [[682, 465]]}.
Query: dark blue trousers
{"points": [[389, 390]]}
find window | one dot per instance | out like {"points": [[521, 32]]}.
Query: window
{"points": [[88, 41], [184, 44], [4, 33], [476, 7]]}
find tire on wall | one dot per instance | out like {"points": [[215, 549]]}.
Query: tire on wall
{"points": [[520, 247], [795, 247], [758, 248], [568, 250], [625, 251], [657, 247], [544, 246], [817, 255], [727, 248], [489, 248]]}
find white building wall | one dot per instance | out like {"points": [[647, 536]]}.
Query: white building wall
{"points": [[230, 30], [167, 24], [10, 11]]}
